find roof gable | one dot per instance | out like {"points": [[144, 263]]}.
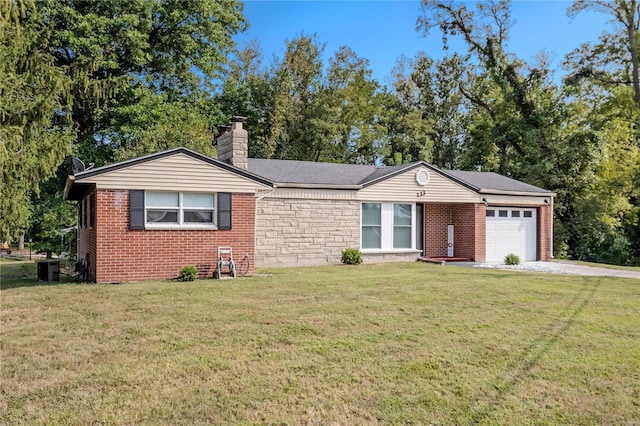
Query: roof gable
{"points": [[163, 154], [178, 169], [418, 183]]}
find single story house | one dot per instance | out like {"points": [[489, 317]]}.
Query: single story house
{"points": [[148, 217]]}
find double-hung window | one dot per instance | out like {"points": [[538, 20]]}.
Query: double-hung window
{"points": [[402, 226], [182, 209], [388, 226], [371, 225]]}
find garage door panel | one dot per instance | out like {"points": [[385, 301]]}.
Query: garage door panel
{"points": [[512, 233]]}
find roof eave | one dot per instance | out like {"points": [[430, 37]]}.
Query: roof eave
{"points": [[316, 186], [523, 193], [67, 187], [74, 190]]}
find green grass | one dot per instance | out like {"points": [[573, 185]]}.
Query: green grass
{"points": [[387, 344]]}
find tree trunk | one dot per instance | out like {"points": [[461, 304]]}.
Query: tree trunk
{"points": [[21, 242], [633, 50]]}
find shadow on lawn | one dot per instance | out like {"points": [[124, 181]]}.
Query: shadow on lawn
{"points": [[6, 284], [532, 354], [14, 274]]}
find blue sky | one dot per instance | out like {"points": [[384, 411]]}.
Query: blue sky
{"points": [[382, 31]]}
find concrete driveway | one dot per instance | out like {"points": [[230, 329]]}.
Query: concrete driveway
{"points": [[572, 268], [557, 267]]}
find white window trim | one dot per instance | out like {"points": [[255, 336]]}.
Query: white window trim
{"points": [[180, 209], [386, 231]]}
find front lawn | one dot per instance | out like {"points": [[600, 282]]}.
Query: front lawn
{"points": [[390, 343]]}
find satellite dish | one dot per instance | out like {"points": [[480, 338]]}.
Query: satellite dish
{"points": [[78, 165]]}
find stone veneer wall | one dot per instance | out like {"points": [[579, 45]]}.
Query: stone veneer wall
{"points": [[293, 232]]}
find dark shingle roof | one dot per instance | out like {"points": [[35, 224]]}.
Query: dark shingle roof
{"points": [[489, 181], [309, 173], [315, 173], [333, 175]]}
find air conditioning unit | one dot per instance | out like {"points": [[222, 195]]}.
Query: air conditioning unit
{"points": [[49, 270]]}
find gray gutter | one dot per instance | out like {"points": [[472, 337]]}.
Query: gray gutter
{"points": [[504, 192], [315, 186]]}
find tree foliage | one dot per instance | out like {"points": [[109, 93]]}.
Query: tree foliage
{"points": [[427, 120], [615, 59], [35, 105], [299, 109], [104, 80]]}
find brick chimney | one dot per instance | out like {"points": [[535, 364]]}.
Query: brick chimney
{"points": [[233, 144]]}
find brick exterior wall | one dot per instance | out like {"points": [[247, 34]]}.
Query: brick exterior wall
{"points": [[87, 240], [545, 239], [305, 232], [468, 230], [480, 236], [467, 219], [436, 219], [126, 255]]}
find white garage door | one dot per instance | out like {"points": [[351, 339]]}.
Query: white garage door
{"points": [[511, 230]]}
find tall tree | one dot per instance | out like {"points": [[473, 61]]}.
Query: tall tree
{"points": [[511, 94], [429, 122], [35, 106], [605, 78], [298, 109], [519, 123], [615, 59], [352, 107], [137, 75]]}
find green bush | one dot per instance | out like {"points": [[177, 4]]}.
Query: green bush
{"points": [[511, 259], [188, 273], [351, 256]]}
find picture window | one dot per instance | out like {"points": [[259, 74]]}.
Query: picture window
{"points": [[179, 209]]}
